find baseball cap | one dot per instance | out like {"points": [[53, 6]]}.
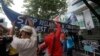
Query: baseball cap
{"points": [[26, 29]]}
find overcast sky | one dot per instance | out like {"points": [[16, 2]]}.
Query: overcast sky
{"points": [[18, 4]]}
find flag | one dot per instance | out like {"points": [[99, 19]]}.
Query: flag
{"points": [[12, 15]]}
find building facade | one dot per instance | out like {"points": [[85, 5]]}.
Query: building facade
{"points": [[84, 16]]}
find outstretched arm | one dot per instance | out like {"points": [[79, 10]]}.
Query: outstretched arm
{"points": [[58, 29], [42, 46], [11, 32], [30, 22]]}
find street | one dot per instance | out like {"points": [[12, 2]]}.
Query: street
{"points": [[83, 53]]}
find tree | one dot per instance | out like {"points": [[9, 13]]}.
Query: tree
{"points": [[8, 2], [44, 9], [92, 9]]}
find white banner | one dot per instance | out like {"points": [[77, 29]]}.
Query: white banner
{"points": [[88, 19], [81, 21]]}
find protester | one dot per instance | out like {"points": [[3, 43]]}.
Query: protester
{"points": [[89, 28], [26, 43], [52, 42], [63, 37], [4, 41], [13, 51], [68, 44], [65, 45], [81, 38], [76, 40]]}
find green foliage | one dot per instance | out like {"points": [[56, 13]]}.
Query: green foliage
{"points": [[45, 8], [8, 2]]}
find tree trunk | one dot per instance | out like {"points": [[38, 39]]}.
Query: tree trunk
{"points": [[92, 10]]}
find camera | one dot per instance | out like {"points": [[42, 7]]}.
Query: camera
{"points": [[6, 39]]}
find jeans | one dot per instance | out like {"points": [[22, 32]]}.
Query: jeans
{"points": [[70, 52]]}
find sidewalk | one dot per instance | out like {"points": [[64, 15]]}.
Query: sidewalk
{"points": [[82, 53], [77, 53]]}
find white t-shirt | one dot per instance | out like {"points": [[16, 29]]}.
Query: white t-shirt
{"points": [[25, 47]]}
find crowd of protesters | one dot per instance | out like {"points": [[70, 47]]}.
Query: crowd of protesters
{"points": [[23, 41]]}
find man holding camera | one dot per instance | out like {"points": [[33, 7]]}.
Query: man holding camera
{"points": [[4, 41]]}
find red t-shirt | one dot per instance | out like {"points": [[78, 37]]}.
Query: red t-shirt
{"points": [[57, 49]]}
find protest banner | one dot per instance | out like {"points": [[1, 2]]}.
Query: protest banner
{"points": [[40, 24]]}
